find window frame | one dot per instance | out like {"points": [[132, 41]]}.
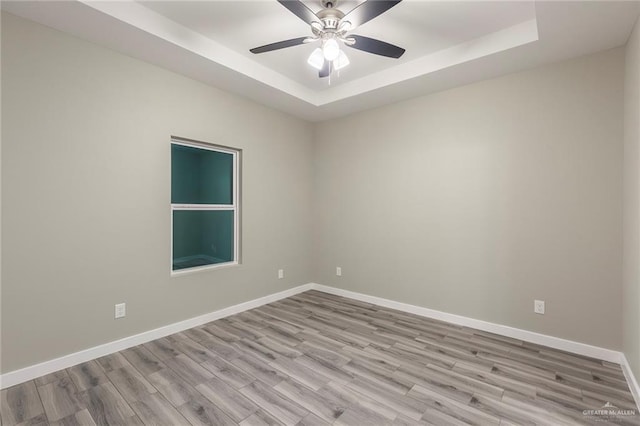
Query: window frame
{"points": [[235, 206]]}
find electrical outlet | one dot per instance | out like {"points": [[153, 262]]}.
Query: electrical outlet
{"points": [[280, 273], [121, 310], [338, 271], [538, 306]]}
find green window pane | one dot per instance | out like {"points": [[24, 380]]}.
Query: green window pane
{"points": [[201, 176], [202, 237]]}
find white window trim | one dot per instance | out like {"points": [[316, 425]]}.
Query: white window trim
{"points": [[234, 206]]}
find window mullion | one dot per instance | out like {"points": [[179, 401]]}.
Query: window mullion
{"points": [[203, 206]]}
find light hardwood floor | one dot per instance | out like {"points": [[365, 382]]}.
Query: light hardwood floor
{"points": [[318, 359]]}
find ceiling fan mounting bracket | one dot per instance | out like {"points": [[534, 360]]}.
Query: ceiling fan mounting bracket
{"points": [[328, 4]]}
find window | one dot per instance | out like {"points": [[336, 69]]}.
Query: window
{"points": [[204, 205]]}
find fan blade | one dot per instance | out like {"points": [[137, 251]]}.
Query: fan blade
{"points": [[300, 10], [278, 45], [367, 11], [377, 47], [326, 69]]}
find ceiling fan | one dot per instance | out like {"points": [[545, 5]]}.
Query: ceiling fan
{"points": [[329, 26]]}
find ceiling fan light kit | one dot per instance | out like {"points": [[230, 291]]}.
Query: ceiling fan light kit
{"points": [[341, 61], [316, 59], [330, 49], [330, 26]]}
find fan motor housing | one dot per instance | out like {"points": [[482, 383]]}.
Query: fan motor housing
{"points": [[330, 17]]}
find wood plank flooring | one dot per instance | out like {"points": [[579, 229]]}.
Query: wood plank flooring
{"points": [[319, 359]]}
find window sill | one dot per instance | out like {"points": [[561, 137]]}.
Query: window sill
{"points": [[188, 271]]}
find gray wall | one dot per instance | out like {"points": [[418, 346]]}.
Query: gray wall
{"points": [[86, 195], [478, 200], [631, 288]]}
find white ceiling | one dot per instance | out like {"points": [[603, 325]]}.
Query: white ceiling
{"points": [[421, 27], [448, 43]]}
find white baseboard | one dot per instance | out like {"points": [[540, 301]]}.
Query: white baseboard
{"points": [[503, 330], [29, 373], [631, 379]]}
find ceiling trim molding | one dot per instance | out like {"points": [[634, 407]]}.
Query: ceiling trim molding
{"points": [[145, 19], [151, 22], [548, 32], [499, 41]]}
